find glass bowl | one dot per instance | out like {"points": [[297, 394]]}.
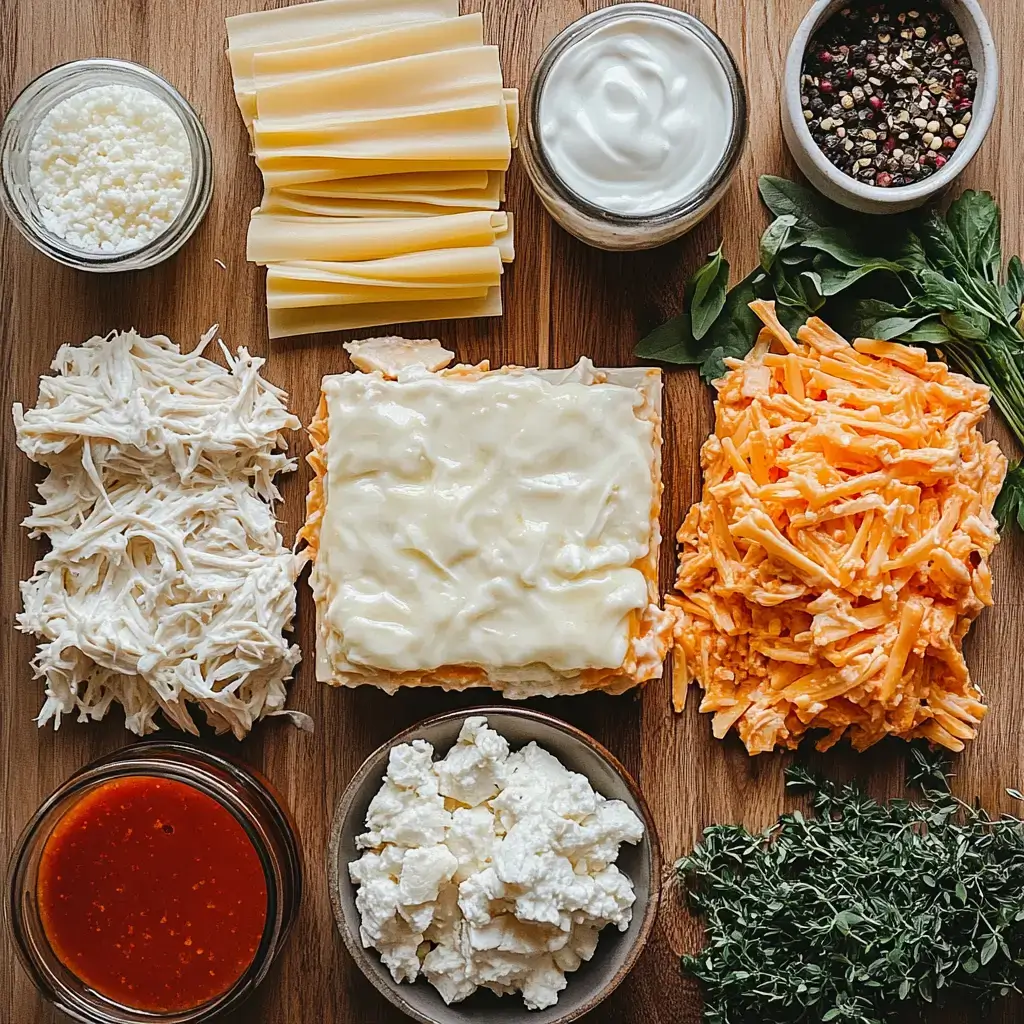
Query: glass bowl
{"points": [[20, 126], [247, 796], [591, 223]]}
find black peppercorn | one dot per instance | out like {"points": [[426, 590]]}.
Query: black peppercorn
{"points": [[897, 72]]}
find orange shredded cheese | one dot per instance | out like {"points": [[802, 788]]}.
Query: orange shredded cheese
{"points": [[839, 553]]}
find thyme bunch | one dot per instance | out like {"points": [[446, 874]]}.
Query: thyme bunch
{"points": [[863, 912]]}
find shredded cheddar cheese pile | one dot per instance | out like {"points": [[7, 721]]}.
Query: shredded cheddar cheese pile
{"points": [[830, 572]]}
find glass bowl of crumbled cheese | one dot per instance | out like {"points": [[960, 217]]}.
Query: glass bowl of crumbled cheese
{"points": [[104, 166], [493, 865]]}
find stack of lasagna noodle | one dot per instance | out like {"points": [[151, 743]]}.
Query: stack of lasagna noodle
{"points": [[383, 132]]}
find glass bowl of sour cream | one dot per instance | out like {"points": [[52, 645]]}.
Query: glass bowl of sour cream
{"points": [[635, 119]]}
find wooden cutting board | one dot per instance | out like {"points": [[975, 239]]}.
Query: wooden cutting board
{"points": [[563, 301]]}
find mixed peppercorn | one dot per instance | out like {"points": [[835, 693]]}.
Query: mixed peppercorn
{"points": [[887, 91]]}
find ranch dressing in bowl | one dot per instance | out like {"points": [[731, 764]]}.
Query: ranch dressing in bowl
{"points": [[634, 121], [636, 116]]}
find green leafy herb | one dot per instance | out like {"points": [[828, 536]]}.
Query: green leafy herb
{"points": [[710, 285], [1010, 503], [862, 912], [926, 279]]}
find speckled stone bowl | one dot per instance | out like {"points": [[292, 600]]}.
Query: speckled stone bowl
{"points": [[857, 195], [617, 952]]}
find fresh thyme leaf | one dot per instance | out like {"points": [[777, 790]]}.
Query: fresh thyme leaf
{"points": [[1009, 506], [860, 912]]}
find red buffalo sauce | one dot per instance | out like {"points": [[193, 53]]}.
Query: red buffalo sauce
{"points": [[152, 894]]}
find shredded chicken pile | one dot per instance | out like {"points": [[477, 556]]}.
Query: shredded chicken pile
{"points": [[166, 582], [839, 554]]}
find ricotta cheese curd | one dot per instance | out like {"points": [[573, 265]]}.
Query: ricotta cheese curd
{"points": [[489, 868], [110, 168]]}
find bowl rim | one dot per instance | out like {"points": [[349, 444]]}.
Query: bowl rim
{"points": [[343, 808], [981, 120]]}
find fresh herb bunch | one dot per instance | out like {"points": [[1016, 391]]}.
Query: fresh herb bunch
{"points": [[920, 278], [864, 912]]}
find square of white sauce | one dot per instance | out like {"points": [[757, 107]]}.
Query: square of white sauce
{"points": [[498, 520]]}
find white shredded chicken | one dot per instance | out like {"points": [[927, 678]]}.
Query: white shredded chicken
{"points": [[167, 582]]}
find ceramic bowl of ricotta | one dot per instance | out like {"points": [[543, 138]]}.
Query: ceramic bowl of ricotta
{"points": [[494, 850]]}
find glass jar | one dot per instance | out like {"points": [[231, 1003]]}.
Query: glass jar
{"points": [[19, 129], [246, 795], [589, 222]]}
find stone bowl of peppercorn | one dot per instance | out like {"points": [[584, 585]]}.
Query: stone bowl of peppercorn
{"points": [[885, 104]]}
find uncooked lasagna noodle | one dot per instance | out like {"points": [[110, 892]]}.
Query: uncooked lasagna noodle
{"points": [[311, 24], [281, 67], [285, 323], [273, 238]]}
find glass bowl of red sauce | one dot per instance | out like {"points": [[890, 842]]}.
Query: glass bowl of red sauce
{"points": [[156, 886]]}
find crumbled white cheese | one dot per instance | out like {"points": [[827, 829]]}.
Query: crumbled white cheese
{"points": [[489, 868], [166, 582], [110, 168]]}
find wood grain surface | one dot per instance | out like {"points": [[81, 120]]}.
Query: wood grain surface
{"points": [[563, 300]]}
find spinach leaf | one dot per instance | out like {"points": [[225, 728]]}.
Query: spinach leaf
{"points": [[928, 332], [786, 198], [967, 324], [776, 239], [835, 279], [940, 245], [940, 293], [974, 222], [874, 318], [910, 254], [1013, 290], [708, 286], [730, 334], [1010, 503], [672, 342], [840, 245], [735, 331]]}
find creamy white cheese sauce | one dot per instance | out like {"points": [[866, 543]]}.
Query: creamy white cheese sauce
{"points": [[636, 116], [495, 521]]}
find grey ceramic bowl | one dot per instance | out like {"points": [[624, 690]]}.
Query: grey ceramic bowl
{"points": [[617, 952], [840, 187]]}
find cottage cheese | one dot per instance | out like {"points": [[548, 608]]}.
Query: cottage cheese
{"points": [[110, 168], [490, 869]]}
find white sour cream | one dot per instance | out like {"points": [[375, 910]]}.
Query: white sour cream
{"points": [[636, 115]]}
